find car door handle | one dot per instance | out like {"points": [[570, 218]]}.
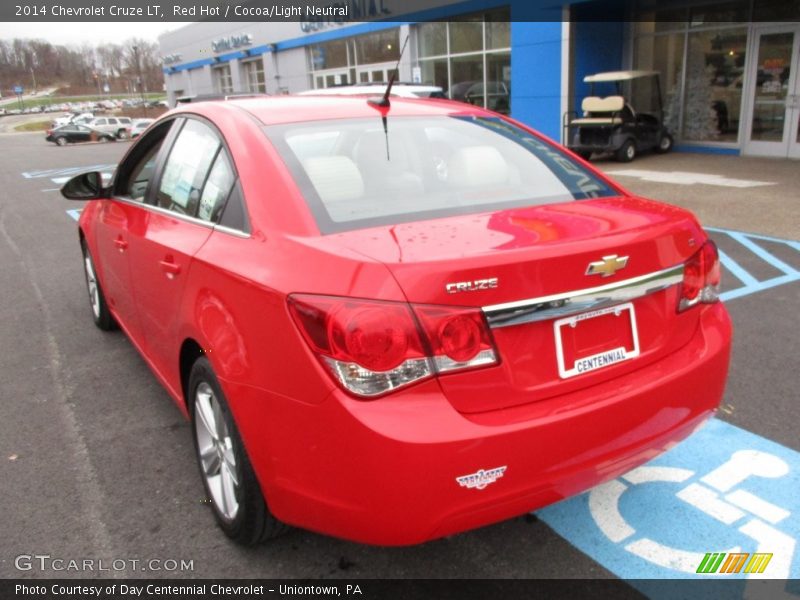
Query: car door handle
{"points": [[121, 244], [170, 268]]}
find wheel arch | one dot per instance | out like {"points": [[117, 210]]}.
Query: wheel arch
{"points": [[190, 351]]}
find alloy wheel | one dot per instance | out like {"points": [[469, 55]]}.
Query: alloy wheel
{"points": [[216, 454], [91, 283]]}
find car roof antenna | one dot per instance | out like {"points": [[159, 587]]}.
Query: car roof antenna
{"points": [[383, 104]]}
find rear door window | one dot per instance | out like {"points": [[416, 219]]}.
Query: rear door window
{"points": [[187, 168]]}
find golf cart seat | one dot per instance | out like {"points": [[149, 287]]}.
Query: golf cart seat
{"points": [[603, 111]]}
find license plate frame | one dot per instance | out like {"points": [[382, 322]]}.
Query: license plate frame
{"points": [[601, 360]]}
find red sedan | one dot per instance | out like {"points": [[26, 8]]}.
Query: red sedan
{"points": [[394, 323]]}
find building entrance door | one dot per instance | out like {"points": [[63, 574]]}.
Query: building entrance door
{"points": [[773, 127]]}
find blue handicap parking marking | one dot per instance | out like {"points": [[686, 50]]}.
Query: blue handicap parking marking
{"points": [[751, 242], [723, 490]]}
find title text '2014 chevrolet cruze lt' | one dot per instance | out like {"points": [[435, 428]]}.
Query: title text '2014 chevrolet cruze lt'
{"points": [[394, 323]]}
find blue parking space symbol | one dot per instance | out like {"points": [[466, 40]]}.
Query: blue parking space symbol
{"points": [[723, 490]]}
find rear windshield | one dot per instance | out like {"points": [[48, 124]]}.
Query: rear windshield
{"points": [[355, 175]]}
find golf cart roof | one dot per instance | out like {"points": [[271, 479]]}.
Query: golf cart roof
{"points": [[618, 76]]}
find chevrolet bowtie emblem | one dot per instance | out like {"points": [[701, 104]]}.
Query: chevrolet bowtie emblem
{"points": [[608, 266]]}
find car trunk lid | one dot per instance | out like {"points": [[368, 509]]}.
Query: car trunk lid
{"points": [[506, 262]]}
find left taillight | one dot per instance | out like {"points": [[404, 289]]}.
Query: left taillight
{"points": [[701, 277], [372, 347]]}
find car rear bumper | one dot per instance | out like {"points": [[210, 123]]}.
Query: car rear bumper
{"points": [[384, 471]]}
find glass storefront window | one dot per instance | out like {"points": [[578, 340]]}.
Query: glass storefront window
{"points": [[703, 89], [467, 76], [498, 82], [434, 72], [664, 53], [432, 39], [330, 55], [477, 68], [713, 87], [382, 46], [498, 34], [466, 36], [358, 59]]}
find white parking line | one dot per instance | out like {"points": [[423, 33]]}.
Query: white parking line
{"points": [[688, 178]]}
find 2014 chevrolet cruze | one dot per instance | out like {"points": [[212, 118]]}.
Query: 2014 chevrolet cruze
{"points": [[393, 323]]}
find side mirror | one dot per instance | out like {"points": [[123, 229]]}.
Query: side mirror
{"points": [[86, 186]]}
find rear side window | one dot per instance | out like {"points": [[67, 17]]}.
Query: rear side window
{"points": [[354, 175], [187, 167], [216, 190]]}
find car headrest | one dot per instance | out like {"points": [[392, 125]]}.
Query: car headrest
{"points": [[476, 166], [594, 104], [335, 178]]}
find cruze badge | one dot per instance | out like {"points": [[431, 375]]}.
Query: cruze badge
{"points": [[481, 478], [608, 266], [471, 286]]}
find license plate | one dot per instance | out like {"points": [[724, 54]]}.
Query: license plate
{"points": [[595, 340]]}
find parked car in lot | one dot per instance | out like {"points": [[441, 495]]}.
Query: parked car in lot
{"points": [[70, 134], [73, 118], [120, 127], [393, 320], [139, 125]]}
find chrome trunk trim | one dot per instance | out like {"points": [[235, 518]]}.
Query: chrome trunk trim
{"points": [[578, 301]]}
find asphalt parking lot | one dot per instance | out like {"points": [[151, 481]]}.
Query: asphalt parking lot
{"points": [[97, 462]]}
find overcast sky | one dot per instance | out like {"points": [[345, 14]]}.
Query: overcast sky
{"points": [[76, 33]]}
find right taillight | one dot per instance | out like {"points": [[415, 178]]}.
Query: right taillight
{"points": [[372, 347], [701, 277]]}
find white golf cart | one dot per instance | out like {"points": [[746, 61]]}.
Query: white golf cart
{"points": [[627, 121]]}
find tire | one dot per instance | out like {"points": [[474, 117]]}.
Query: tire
{"points": [[228, 478], [626, 152], [664, 144], [122, 134], [97, 301], [61, 141], [585, 155]]}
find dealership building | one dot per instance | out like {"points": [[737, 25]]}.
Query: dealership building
{"points": [[729, 70]]}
